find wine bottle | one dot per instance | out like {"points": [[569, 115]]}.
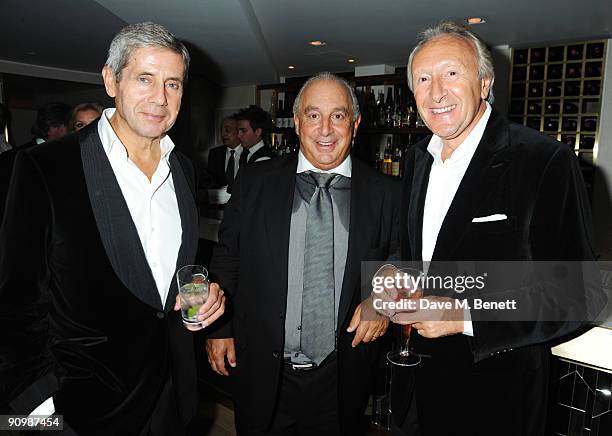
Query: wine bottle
{"points": [[389, 108]]}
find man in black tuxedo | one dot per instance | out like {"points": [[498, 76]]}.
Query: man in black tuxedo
{"points": [[96, 225], [254, 126], [483, 189], [290, 246], [223, 161]]}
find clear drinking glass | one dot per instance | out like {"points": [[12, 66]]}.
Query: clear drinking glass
{"points": [[193, 291], [407, 288]]}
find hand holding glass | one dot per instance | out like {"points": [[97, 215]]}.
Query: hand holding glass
{"points": [[193, 291]]}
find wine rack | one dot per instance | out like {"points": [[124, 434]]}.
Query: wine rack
{"points": [[556, 89]]}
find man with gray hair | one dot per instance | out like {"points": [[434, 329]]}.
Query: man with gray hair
{"points": [[483, 189], [301, 356], [96, 225]]}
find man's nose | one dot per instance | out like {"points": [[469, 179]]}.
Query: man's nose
{"points": [[438, 89], [158, 94]]}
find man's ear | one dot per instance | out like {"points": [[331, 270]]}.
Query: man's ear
{"points": [[110, 84], [259, 132], [485, 87]]}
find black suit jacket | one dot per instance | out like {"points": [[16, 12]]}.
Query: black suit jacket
{"points": [[537, 183], [250, 262], [81, 316], [216, 166]]}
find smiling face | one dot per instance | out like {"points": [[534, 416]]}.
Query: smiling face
{"points": [[324, 124], [448, 93], [148, 96]]}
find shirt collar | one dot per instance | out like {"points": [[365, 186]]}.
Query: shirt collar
{"points": [[344, 169], [112, 144], [254, 148], [237, 150], [468, 146]]}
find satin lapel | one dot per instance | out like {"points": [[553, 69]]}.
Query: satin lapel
{"points": [[489, 162], [277, 201], [117, 230], [185, 197], [422, 167], [359, 224]]}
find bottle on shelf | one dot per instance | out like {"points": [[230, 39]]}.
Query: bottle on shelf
{"points": [[389, 108], [280, 115], [398, 110], [387, 161], [395, 161]]}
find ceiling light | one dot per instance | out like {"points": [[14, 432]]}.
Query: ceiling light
{"points": [[291, 67], [317, 43], [350, 61], [472, 21]]}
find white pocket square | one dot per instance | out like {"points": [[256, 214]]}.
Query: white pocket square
{"points": [[494, 217]]}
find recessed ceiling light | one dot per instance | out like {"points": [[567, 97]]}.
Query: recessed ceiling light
{"points": [[291, 67], [350, 61], [317, 43], [475, 20]]}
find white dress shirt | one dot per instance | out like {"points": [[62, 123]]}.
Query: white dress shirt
{"points": [[444, 180], [152, 204], [254, 149], [237, 152]]}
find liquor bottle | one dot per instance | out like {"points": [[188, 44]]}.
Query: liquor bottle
{"points": [[552, 107], [273, 111], [387, 162], [371, 109], [553, 89], [574, 52], [398, 110], [570, 107], [534, 108], [551, 124], [569, 124], [280, 115], [573, 71], [380, 110], [395, 161], [289, 114], [408, 118], [389, 108], [555, 54], [554, 71], [592, 87]]}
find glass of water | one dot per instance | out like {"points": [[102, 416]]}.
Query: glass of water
{"points": [[193, 291]]}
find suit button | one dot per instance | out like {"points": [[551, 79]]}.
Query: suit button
{"points": [[275, 354], [161, 315]]}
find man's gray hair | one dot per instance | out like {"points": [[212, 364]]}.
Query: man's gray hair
{"points": [[140, 35], [326, 75], [449, 28]]}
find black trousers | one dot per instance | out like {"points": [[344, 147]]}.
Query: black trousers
{"points": [[307, 404]]}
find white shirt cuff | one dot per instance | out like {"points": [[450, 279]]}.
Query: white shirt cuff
{"points": [[47, 408], [468, 328]]}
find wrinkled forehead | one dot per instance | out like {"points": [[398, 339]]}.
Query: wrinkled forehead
{"points": [[447, 47], [326, 93]]}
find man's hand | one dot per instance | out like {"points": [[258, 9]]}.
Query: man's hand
{"points": [[433, 319], [210, 311], [368, 326], [217, 350]]}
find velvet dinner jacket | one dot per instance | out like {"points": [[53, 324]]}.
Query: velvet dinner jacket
{"points": [[81, 317], [535, 181], [250, 263]]}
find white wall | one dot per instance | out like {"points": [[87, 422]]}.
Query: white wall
{"points": [[602, 189]]}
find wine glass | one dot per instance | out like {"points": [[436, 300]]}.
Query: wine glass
{"points": [[193, 291], [408, 288]]}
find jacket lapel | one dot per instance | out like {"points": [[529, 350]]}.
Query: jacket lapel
{"points": [[420, 179], [277, 194], [185, 196], [362, 201], [486, 167]]}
